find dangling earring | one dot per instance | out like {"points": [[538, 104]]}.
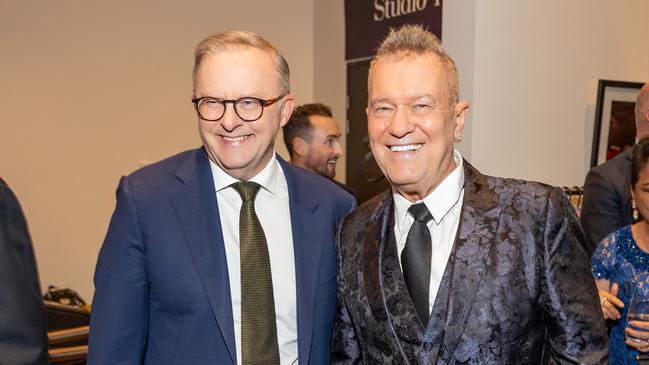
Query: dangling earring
{"points": [[457, 139], [636, 213]]}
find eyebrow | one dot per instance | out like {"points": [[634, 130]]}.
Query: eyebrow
{"points": [[410, 99], [379, 100]]}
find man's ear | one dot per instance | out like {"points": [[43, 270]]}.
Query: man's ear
{"points": [[300, 147], [287, 109], [461, 108]]}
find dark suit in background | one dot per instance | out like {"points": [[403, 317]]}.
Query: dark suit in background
{"points": [[23, 338], [517, 287], [607, 199]]}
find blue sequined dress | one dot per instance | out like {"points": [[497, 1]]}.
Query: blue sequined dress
{"points": [[618, 259]]}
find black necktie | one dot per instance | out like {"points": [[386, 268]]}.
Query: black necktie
{"points": [[258, 329], [415, 260]]}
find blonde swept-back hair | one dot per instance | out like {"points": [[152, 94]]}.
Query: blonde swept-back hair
{"points": [[234, 40], [409, 40]]}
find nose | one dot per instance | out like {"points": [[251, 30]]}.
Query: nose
{"points": [[230, 120], [338, 149], [401, 125]]}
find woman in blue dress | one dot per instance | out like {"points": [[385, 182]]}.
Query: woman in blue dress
{"points": [[618, 259]]}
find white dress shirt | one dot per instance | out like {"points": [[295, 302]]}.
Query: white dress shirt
{"points": [[445, 205], [272, 208]]}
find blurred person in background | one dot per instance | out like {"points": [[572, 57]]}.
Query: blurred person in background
{"points": [[617, 262], [607, 199], [23, 329], [312, 138]]}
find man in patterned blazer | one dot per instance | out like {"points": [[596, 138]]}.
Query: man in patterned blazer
{"points": [[452, 266]]}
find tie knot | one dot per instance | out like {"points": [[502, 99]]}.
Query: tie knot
{"points": [[420, 212], [247, 189]]}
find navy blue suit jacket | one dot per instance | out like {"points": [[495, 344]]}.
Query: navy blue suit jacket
{"points": [[23, 337], [162, 289], [607, 199]]}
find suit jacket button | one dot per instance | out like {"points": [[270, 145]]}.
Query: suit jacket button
{"points": [[428, 346]]}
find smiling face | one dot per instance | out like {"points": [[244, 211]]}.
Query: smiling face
{"points": [[412, 123], [324, 148], [240, 148]]}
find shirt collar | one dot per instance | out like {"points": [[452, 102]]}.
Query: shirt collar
{"points": [[268, 177], [440, 201]]}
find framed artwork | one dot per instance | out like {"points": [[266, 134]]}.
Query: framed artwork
{"points": [[614, 119]]}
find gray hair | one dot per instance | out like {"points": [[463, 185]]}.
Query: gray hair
{"points": [[234, 40], [412, 39]]}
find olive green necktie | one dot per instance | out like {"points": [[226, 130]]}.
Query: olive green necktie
{"points": [[258, 329]]}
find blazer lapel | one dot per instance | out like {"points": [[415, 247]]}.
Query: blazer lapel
{"points": [[401, 313], [478, 225], [198, 213], [307, 246], [434, 333]]}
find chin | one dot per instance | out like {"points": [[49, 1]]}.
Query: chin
{"points": [[329, 174], [235, 164], [402, 178]]}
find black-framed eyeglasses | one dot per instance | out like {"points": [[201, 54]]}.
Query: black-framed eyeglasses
{"points": [[248, 108]]}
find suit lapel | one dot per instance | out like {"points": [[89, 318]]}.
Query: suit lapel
{"points": [[373, 235], [478, 225], [307, 246], [198, 214], [400, 311], [434, 333]]}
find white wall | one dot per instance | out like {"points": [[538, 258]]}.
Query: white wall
{"points": [[458, 37], [535, 81], [330, 80], [89, 90]]}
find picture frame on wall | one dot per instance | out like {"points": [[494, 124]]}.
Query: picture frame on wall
{"points": [[614, 129]]}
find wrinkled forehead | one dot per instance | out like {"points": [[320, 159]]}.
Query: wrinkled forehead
{"points": [[238, 66], [409, 73], [252, 60]]}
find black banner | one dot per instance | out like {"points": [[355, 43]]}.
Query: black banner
{"points": [[367, 22]]}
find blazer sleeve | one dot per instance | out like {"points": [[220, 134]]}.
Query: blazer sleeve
{"points": [[602, 210], [119, 321], [576, 329], [23, 338]]}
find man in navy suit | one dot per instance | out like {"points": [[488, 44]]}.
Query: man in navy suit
{"points": [[170, 285]]}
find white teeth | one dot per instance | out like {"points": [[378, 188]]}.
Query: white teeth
{"points": [[235, 139], [407, 147]]}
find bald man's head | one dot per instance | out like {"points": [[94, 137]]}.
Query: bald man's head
{"points": [[642, 112]]}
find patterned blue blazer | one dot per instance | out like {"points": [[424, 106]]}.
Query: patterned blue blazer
{"points": [[517, 287]]}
